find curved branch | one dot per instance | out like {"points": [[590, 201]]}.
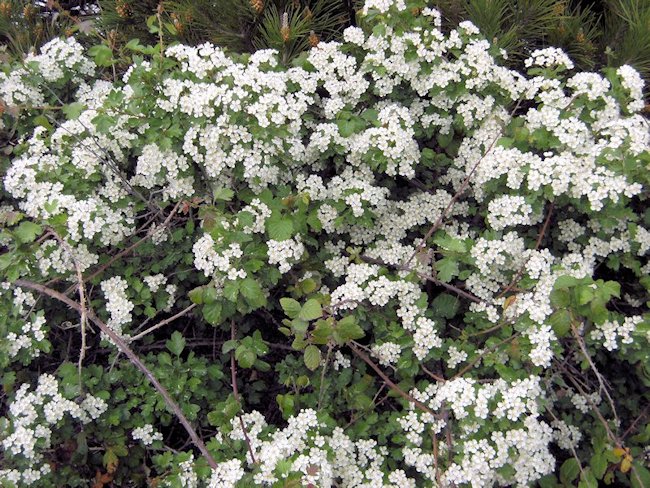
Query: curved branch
{"points": [[123, 347]]}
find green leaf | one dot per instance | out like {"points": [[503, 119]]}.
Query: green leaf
{"points": [[346, 127], [73, 110], [560, 298], [322, 332], [561, 322], [6, 260], [584, 294], [587, 479], [565, 282], [27, 231], [286, 404], [449, 243], [134, 45], [347, 330], [212, 313], [612, 288], [245, 357], [569, 471], [447, 268], [196, 295], [224, 194], [176, 343], [599, 464], [102, 55], [640, 475], [279, 228], [311, 310], [252, 291], [291, 307], [229, 346], [231, 290], [445, 305], [312, 357]]}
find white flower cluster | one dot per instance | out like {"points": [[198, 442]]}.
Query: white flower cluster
{"points": [[642, 237], [226, 475], [163, 168], [320, 459], [208, 260], [146, 434], [387, 353], [566, 436], [52, 256], [455, 357], [59, 56], [260, 212], [610, 332], [154, 282], [510, 211], [33, 417], [633, 83], [31, 334], [57, 59], [118, 305], [542, 338], [340, 361], [549, 58], [285, 253], [585, 403], [524, 445]]}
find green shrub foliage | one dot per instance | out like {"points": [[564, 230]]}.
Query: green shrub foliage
{"points": [[394, 263]]}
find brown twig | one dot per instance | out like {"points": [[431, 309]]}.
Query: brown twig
{"points": [[436, 225], [601, 381], [436, 377], [423, 276], [389, 382], [124, 348], [235, 391], [540, 237], [163, 322], [480, 356], [81, 285]]}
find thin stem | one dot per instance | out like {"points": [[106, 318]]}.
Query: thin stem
{"points": [[235, 391], [389, 382], [436, 225], [163, 322]]}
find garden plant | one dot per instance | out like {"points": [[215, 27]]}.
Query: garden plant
{"points": [[392, 262]]}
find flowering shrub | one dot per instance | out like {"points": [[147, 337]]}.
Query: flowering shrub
{"points": [[393, 263]]}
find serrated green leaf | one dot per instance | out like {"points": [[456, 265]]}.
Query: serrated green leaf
{"points": [[569, 471], [449, 243], [279, 229], [252, 291], [196, 295], [445, 305], [599, 464], [311, 310], [312, 357], [446, 269], [291, 307], [223, 194], [212, 313], [27, 231], [228, 346], [176, 343]]}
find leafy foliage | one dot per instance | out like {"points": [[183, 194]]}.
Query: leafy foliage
{"points": [[388, 262]]}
